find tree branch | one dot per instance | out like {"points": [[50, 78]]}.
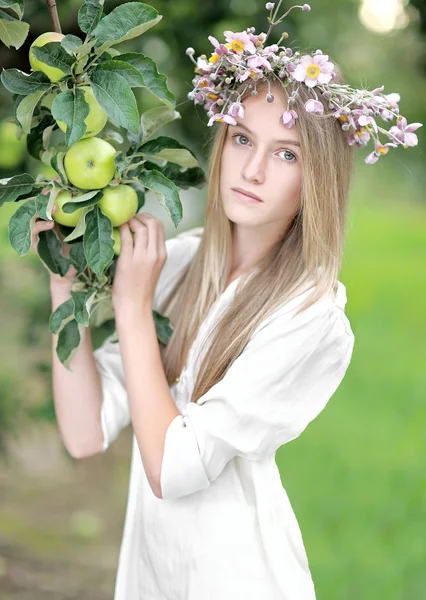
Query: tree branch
{"points": [[51, 5]]}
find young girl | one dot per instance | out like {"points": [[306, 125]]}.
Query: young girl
{"points": [[260, 344]]}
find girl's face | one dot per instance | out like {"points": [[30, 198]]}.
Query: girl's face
{"points": [[262, 156]]}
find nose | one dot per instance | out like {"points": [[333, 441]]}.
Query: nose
{"points": [[254, 168]]}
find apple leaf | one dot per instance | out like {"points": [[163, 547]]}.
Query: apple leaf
{"points": [[57, 164], [77, 258], [18, 82], [71, 108], [25, 110], [69, 339], [115, 96], [49, 249], [163, 327], [129, 72], [152, 120], [98, 241], [61, 316], [13, 32], [125, 22], [20, 227], [54, 55], [166, 192], [16, 186], [16, 5], [89, 15], [83, 301], [38, 134], [166, 148], [82, 201], [80, 228], [183, 178], [154, 81], [71, 42]]}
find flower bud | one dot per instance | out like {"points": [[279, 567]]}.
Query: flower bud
{"points": [[270, 97], [255, 93], [306, 8], [270, 5], [220, 102], [289, 51], [228, 80], [190, 51]]}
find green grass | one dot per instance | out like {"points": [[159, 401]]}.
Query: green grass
{"points": [[356, 476]]}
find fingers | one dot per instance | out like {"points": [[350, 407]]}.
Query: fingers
{"points": [[149, 234]]}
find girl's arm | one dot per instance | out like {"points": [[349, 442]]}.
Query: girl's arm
{"points": [[77, 394]]}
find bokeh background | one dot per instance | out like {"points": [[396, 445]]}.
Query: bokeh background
{"points": [[356, 476]]}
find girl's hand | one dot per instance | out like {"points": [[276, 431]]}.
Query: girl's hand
{"points": [[139, 264]]}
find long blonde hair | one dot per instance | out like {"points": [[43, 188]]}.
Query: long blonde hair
{"points": [[311, 250]]}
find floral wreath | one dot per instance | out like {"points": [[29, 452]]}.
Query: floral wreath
{"points": [[237, 65]]}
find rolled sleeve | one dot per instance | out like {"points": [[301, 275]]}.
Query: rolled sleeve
{"points": [[281, 381], [115, 412]]}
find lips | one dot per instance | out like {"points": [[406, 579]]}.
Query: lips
{"points": [[246, 193]]}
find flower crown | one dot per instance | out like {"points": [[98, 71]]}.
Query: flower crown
{"points": [[237, 66]]}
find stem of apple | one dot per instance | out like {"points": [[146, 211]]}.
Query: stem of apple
{"points": [[51, 6]]}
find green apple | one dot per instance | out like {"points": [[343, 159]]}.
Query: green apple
{"points": [[68, 219], [89, 163], [117, 240], [12, 150], [53, 73], [119, 203], [97, 117]]}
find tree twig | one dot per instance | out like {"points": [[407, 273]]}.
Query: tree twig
{"points": [[51, 5]]}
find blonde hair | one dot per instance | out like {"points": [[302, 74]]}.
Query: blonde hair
{"points": [[310, 251]]}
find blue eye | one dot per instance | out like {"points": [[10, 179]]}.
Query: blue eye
{"points": [[240, 135]]}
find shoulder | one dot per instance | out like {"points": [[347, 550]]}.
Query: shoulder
{"points": [[181, 249]]}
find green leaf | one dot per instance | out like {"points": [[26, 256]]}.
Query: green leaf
{"points": [[18, 82], [125, 22], [16, 186], [16, 5], [98, 241], [116, 98], [69, 339], [166, 148], [89, 15], [163, 327], [71, 42], [13, 32], [166, 191], [61, 316], [77, 202], [183, 178], [54, 55], [83, 301], [36, 137], [20, 227], [71, 108], [77, 257], [130, 74], [25, 110], [57, 163], [153, 80], [80, 228], [49, 249], [152, 120]]}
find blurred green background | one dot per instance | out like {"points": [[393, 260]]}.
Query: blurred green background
{"points": [[356, 476]]}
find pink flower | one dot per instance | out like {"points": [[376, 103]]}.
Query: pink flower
{"points": [[236, 109], [268, 50], [219, 48], [223, 118], [288, 118], [404, 132], [314, 69], [380, 150], [240, 41], [365, 120], [314, 106], [258, 61]]}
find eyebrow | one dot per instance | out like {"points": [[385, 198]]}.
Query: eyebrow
{"points": [[294, 143]]}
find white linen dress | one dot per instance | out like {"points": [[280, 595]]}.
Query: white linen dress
{"points": [[225, 528]]}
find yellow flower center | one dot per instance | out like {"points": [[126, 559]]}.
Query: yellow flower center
{"points": [[343, 118], [214, 58], [220, 119], [383, 150], [237, 46], [212, 96], [313, 71], [203, 83]]}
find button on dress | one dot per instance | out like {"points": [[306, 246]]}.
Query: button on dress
{"points": [[224, 528]]}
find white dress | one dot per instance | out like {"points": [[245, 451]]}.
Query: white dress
{"points": [[225, 528]]}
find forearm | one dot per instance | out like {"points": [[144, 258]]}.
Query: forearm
{"points": [[152, 406], [77, 394]]}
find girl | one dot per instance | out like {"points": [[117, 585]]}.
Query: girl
{"points": [[260, 344]]}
